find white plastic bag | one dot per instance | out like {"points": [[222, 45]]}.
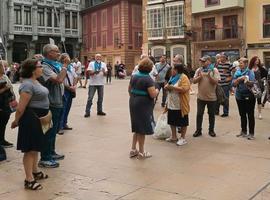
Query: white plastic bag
{"points": [[162, 129]]}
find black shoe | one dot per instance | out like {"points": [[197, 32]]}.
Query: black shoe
{"points": [[217, 113], [212, 134], [86, 115], [163, 105], [269, 138], [101, 113], [197, 133], [224, 115], [67, 128], [242, 134], [6, 144], [58, 157]]}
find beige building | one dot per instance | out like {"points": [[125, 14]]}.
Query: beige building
{"points": [[217, 26], [258, 29], [165, 27]]}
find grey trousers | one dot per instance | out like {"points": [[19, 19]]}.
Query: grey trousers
{"points": [[91, 93]]}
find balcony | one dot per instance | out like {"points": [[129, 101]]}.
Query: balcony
{"points": [[21, 29], [156, 34], [218, 34], [175, 32]]}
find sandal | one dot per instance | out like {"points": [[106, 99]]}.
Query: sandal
{"points": [[40, 176], [171, 140], [144, 155], [32, 185], [133, 153]]}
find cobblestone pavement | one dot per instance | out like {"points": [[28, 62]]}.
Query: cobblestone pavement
{"points": [[97, 166]]}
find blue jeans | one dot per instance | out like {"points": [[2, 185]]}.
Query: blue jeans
{"points": [[49, 149], [226, 90], [67, 102], [91, 93]]}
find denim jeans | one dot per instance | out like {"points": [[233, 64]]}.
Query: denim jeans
{"points": [[67, 102], [226, 90], [211, 106], [246, 111], [91, 93], [50, 136], [164, 92]]}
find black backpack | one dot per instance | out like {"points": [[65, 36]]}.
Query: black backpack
{"points": [[3, 155]]}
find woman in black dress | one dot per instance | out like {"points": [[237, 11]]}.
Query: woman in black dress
{"points": [[33, 104], [141, 104]]}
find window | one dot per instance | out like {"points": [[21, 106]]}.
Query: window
{"points": [[137, 14], [49, 17], [104, 18], [230, 27], [266, 21], [155, 22], [117, 40], [115, 16], [212, 2], [174, 20], [18, 14], [27, 16], [56, 18], [74, 20], [67, 19], [138, 39], [94, 22], [104, 40], [41, 17], [208, 29], [94, 42]]}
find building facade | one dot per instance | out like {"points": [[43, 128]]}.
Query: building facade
{"points": [[27, 25], [218, 26], [113, 28], [167, 28], [258, 29]]}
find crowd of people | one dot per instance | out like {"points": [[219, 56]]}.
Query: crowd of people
{"points": [[49, 83]]}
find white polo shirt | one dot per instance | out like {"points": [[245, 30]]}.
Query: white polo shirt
{"points": [[97, 79]]}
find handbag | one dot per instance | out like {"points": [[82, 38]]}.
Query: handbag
{"points": [[46, 122], [221, 97], [255, 89], [73, 94]]}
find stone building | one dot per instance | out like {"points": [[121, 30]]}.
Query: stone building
{"points": [[167, 28], [218, 26], [258, 29], [114, 29], [27, 25]]}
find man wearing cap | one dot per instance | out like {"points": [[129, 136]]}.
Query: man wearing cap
{"points": [[207, 77], [225, 69]]}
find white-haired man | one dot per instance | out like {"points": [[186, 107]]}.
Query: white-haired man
{"points": [[54, 74], [97, 71]]}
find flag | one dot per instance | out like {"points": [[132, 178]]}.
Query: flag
{"points": [[52, 41]]}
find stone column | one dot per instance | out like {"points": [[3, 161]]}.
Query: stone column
{"points": [[34, 20]]}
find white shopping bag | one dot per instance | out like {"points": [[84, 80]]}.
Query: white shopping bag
{"points": [[162, 129]]}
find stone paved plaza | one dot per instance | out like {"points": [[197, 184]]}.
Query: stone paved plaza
{"points": [[97, 166]]}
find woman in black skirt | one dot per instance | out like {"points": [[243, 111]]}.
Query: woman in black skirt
{"points": [[178, 103], [141, 104], [33, 104]]}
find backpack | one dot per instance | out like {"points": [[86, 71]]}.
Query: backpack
{"points": [[3, 155]]}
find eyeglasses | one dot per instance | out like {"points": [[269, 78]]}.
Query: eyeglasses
{"points": [[56, 51], [38, 66]]}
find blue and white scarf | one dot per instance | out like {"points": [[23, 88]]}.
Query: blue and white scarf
{"points": [[97, 66], [174, 79]]}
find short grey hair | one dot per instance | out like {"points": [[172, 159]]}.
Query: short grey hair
{"points": [[48, 47], [62, 57], [179, 58], [98, 54]]}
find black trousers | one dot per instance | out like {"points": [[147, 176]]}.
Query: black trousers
{"points": [[211, 106], [4, 117], [246, 111]]}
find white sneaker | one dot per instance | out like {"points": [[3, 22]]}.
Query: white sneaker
{"points": [[181, 142], [260, 116]]}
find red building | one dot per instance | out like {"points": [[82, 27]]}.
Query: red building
{"points": [[114, 29]]}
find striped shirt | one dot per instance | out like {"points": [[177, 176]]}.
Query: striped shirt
{"points": [[225, 71]]}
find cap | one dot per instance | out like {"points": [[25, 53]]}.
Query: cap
{"points": [[205, 58], [224, 54]]}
